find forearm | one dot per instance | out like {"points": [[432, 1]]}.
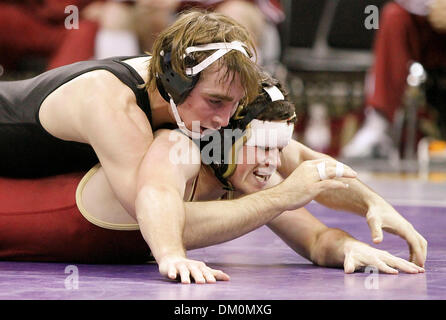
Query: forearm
{"points": [[213, 222], [356, 199], [160, 215]]}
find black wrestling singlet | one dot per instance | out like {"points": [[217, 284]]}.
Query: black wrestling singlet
{"points": [[27, 150]]}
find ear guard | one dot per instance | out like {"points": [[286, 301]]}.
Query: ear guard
{"points": [[171, 84], [175, 88], [226, 150]]}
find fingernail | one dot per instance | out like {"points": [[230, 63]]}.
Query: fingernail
{"points": [[346, 185]]}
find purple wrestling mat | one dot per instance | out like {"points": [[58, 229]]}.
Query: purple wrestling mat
{"points": [[261, 267]]}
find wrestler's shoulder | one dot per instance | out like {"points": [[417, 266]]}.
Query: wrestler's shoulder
{"points": [[103, 90], [96, 97]]}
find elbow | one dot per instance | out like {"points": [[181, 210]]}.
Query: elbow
{"points": [[154, 191], [154, 198]]}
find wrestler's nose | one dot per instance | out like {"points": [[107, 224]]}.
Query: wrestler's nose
{"points": [[221, 118], [272, 158]]}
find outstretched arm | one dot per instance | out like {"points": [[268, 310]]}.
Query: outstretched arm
{"points": [[380, 215], [160, 208], [329, 247], [361, 200], [212, 222], [147, 185]]}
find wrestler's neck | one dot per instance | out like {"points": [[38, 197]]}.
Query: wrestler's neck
{"points": [[209, 187], [160, 109]]}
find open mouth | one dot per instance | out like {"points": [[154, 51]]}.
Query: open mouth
{"points": [[262, 174], [261, 177]]}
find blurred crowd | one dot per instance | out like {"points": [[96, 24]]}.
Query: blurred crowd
{"points": [[37, 28], [409, 31], [34, 31]]}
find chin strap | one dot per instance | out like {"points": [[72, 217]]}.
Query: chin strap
{"points": [[180, 123], [182, 126], [274, 93], [222, 48]]}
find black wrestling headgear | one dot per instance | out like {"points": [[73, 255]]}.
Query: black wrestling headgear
{"points": [[173, 84], [177, 86], [174, 88]]}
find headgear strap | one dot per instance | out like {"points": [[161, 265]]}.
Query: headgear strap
{"points": [[178, 88], [221, 47], [274, 93]]}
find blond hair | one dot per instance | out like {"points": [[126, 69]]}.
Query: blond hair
{"points": [[194, 28]]}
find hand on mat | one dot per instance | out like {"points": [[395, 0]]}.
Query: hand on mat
{"points": [[312, 177], [382, 216], [359, 254], [184, 269]]}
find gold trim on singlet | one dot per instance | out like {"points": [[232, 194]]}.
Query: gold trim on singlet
{"points": [[91, 218], [105, 224]]}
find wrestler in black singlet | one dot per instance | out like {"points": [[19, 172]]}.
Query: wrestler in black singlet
{"points": [[27, 150]]}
